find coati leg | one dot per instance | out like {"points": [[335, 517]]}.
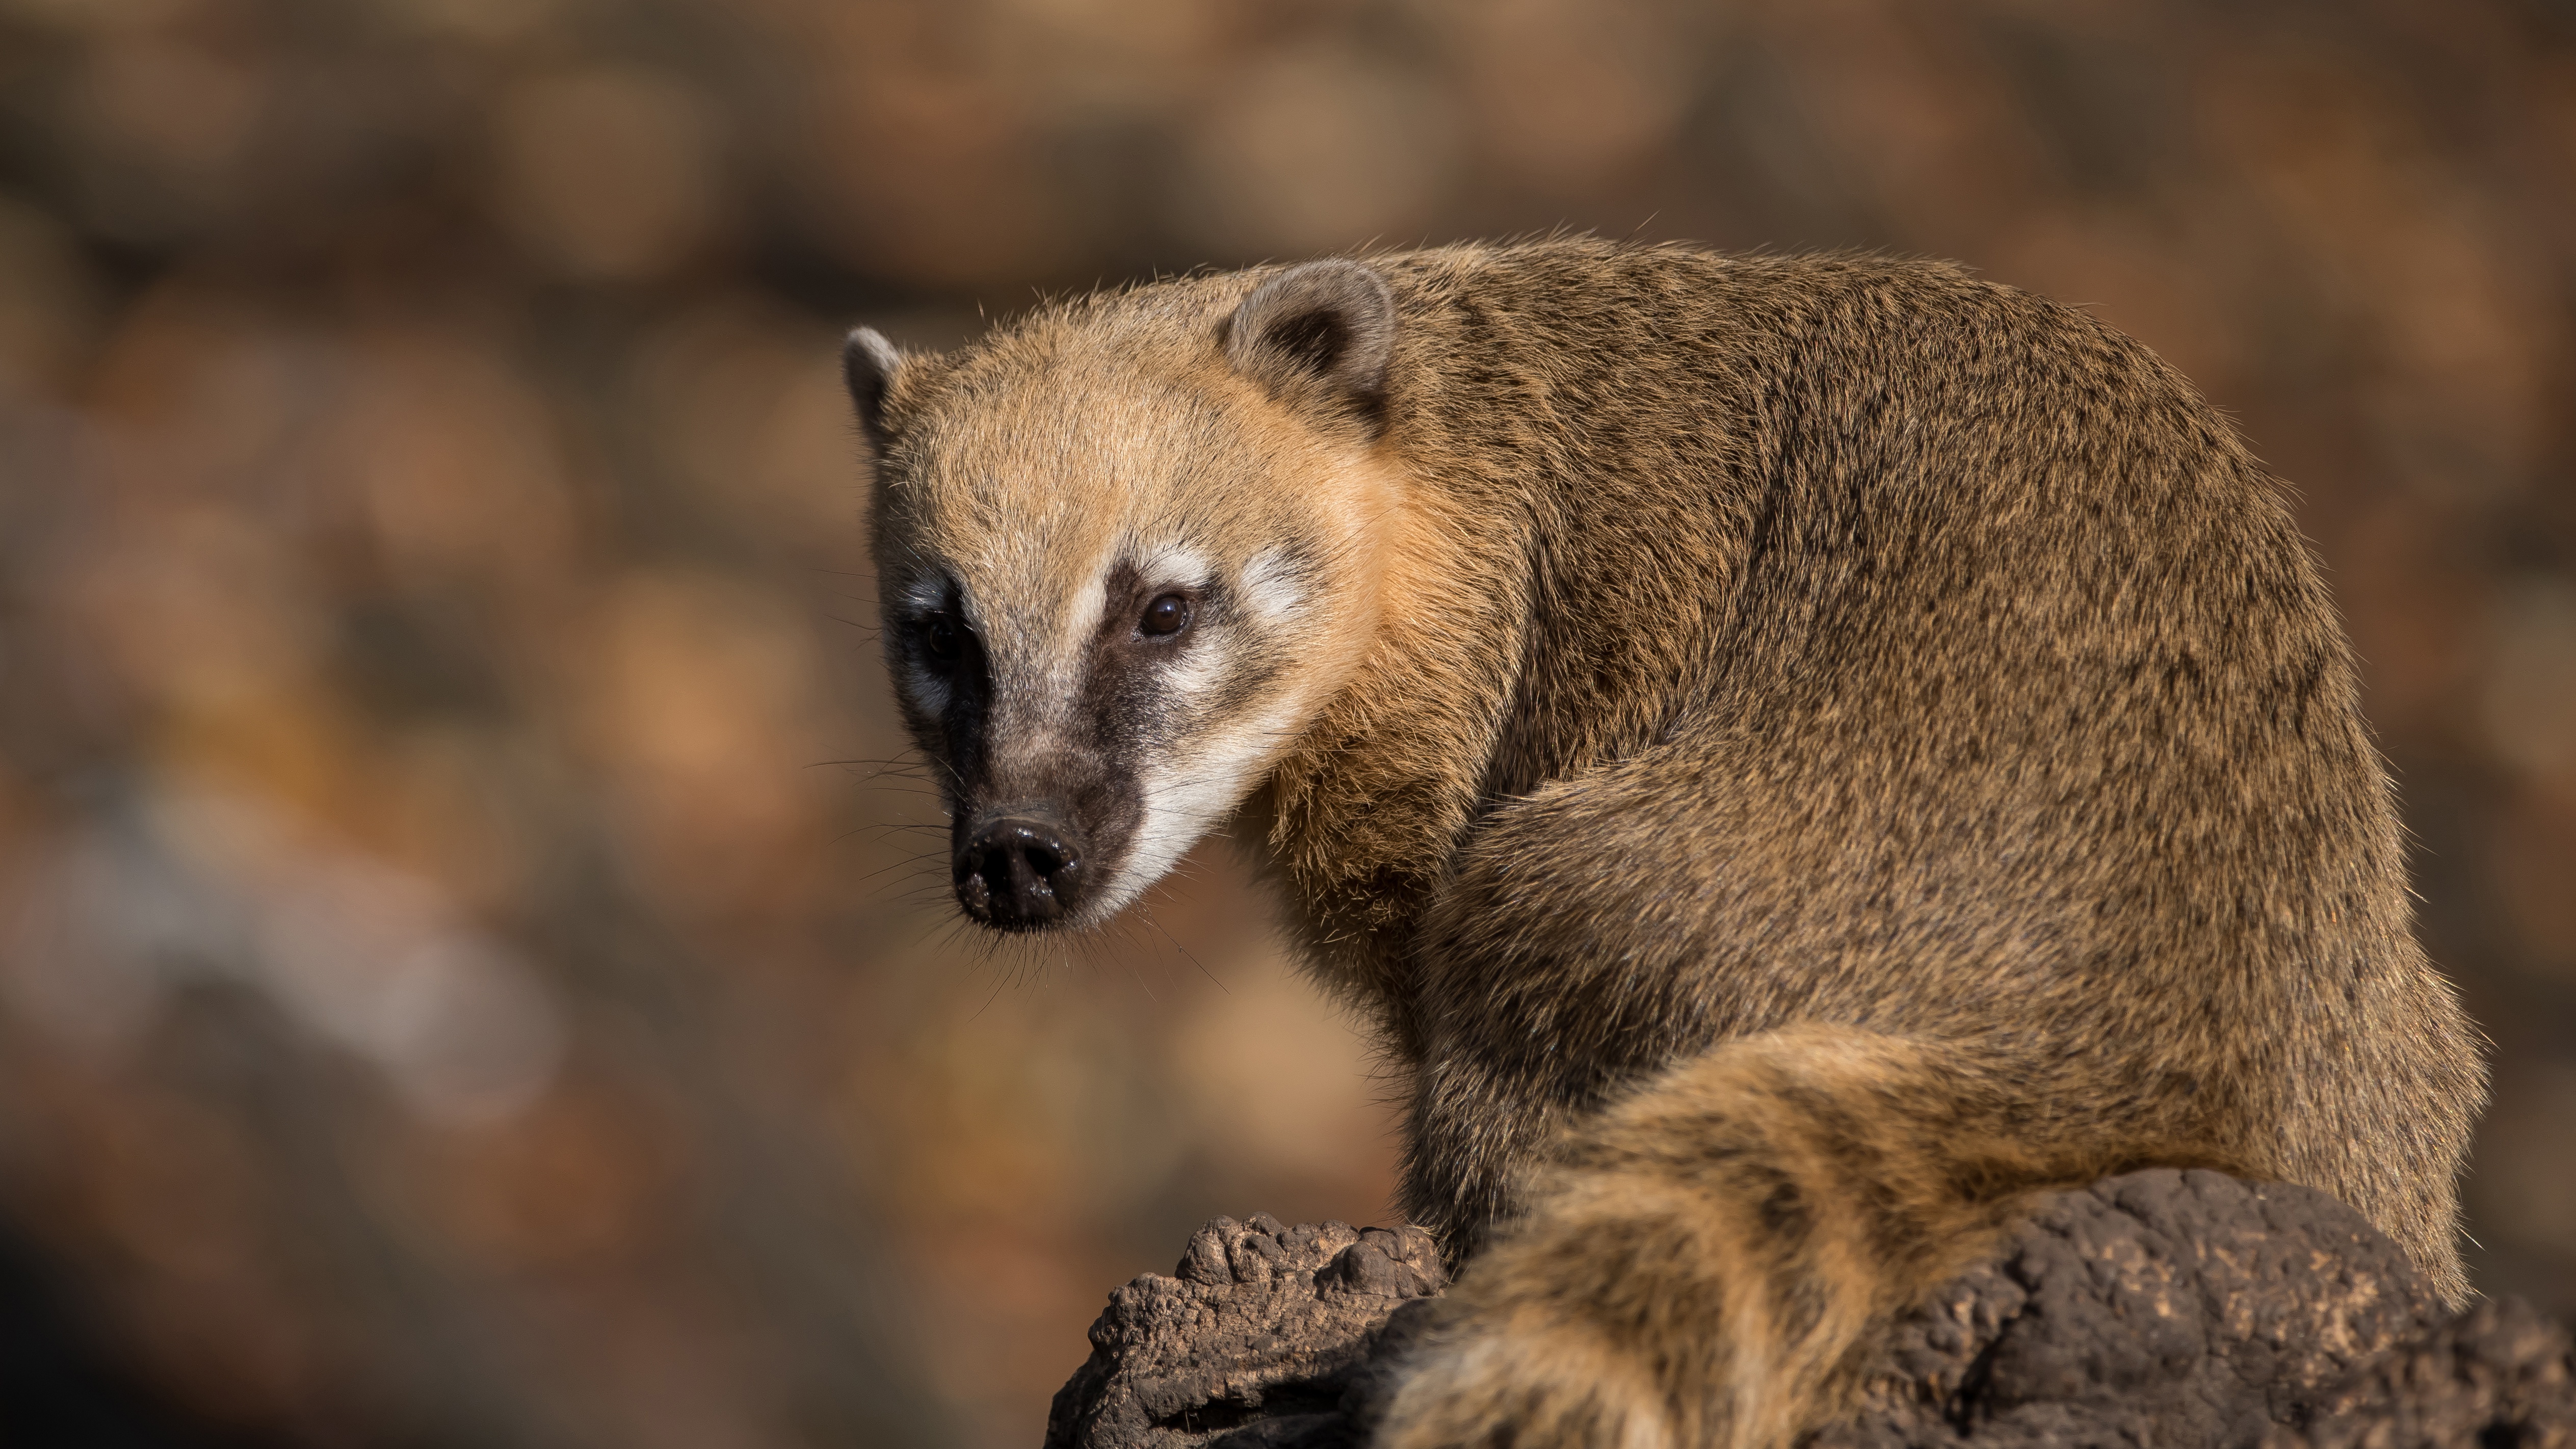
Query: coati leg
{"points": [[1709, 1261]]}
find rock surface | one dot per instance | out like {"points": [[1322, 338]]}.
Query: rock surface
{"points": [[2499, 1376], [2157, 1308], [1264, 1335]]}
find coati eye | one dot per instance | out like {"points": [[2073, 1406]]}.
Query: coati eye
{"points": [[1169, 614], [939, 638]]}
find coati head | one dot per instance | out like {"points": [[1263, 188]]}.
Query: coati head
{"points": [[1126, 550]]}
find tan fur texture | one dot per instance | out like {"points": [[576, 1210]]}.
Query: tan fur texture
{"points": [[1793, 755]]}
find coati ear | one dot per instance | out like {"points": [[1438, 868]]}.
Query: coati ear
{"points": [[868, 365], [1325, 329]]}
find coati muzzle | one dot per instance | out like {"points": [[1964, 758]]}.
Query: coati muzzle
{"points": [[1020, 872]]}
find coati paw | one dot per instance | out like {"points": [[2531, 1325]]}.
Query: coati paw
{"points": [[1523, 1386]]}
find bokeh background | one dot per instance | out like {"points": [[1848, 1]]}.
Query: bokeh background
{"points": [[465, 979]]}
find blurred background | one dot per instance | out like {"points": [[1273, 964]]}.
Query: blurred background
{"points": [[465, 977]]}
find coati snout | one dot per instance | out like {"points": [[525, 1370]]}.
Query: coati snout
{"points": [[1020, 872], [1022, 867]]}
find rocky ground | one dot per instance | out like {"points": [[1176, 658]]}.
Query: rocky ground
{"points": [[2158, 1308]]}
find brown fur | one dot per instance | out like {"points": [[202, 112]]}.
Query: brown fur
{"points": [[1795, 755]]}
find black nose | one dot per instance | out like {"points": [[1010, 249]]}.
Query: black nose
{"points": [[1020, 873]]}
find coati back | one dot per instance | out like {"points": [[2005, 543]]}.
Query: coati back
{"points": [[1792, 755]]}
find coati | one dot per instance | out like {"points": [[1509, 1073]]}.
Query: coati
{"points": [[1792, 755]]}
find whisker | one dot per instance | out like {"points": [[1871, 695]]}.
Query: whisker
{"points": [[1146, 915]]}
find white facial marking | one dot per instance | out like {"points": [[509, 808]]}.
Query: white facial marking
{"points": [[1270, 587], [1201, 664], [1082, 618], [1173, 565], [1186, 798]]}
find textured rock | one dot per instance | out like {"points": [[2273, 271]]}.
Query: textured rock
{"points": [[2499, 1376], [2158, 1308], [1263, 1336]]}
